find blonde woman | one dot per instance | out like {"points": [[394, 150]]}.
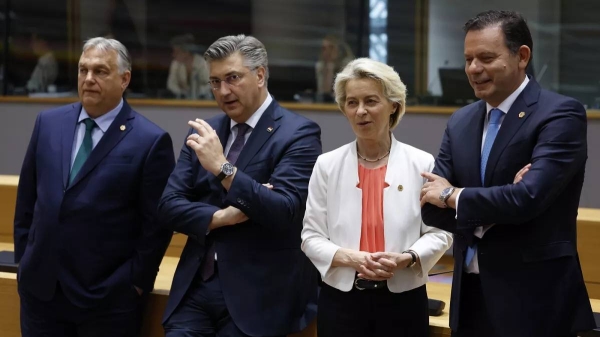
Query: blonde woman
{"points": [[362, 227]]}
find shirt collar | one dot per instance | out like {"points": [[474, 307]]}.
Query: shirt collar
{"points": [[105, 120], [253, 120], [508, 102]]}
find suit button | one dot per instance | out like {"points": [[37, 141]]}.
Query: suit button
{"points": [[240, 201]]}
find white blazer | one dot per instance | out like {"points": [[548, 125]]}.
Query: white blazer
{"points": [[333, 215]]}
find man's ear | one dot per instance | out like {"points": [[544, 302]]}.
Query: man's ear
{"points": [[125, 79], [524, 54], [261, 73]]}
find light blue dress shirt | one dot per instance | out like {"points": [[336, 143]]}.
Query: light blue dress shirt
{"points": [[103, 122]]}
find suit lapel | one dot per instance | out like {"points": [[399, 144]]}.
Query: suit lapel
{"points": [[112, 137], [511, 124], [267, 125], [69, 125], [473, 133]]}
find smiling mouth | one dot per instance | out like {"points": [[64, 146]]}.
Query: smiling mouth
{"points": [[480, 82]]}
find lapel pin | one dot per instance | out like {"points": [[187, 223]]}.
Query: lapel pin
{"points": [[521, 114], [400, 188], [270, 129], [122, 127]]}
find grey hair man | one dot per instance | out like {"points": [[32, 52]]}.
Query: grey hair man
{"points": [[86, 233], [239, 193]]}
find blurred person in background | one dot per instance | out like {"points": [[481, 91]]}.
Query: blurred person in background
{"points": [[334, 56], [188, 73], [46, 69]]}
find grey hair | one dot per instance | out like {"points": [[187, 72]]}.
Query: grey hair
{"points": [[104, 44], [252, 50], [393, 88]]}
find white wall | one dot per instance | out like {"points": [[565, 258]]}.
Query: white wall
{"points": [[446, 38]]}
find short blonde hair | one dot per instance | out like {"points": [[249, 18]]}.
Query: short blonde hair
{"points": [[393, 88]]}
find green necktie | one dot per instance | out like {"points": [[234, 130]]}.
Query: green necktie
{"points": [[84, 150]]}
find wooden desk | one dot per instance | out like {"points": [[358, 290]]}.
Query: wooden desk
{"points": [[588, 238], [8, 199], [9, 304]]}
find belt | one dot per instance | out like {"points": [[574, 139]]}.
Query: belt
{"points": [[362, 284]]}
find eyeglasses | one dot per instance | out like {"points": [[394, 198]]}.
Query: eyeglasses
{"points": [[232, 80]]}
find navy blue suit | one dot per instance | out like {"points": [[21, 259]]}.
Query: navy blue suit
{"points": [[98, 236], [529, 270], [268, 284]]}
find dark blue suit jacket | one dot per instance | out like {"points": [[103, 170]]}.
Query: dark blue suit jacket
{"points": [[529, 267], [98, 236], [269, 285]]}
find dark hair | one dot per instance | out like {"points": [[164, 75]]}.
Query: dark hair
{"points": [[513, 25]]}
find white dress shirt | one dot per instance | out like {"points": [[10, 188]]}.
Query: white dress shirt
{"points": [[473, 267]]}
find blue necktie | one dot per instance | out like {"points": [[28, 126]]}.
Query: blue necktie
{"points": [[84, 149], [492, 132], [208, 264]]}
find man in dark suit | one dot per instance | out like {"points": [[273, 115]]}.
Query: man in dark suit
{"points": [[238, 192], [86, 233], [517, 271]]}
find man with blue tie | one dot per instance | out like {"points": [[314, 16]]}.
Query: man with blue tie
{"points": [[507, 183], [238, 192], [86, 236]]}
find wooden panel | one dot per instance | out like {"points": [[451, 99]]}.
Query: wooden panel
{"points": [[593, 290], [8, 199], [588, 237]]}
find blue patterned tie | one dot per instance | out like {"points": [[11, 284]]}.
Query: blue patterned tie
{"points": [[492, 132], [208, 264], [84, 149]]}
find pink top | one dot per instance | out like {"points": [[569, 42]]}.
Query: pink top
{"points": [[372, 182]]}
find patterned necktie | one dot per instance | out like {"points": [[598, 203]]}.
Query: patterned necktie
{"points": [[208, 265], [492, 132], [238, 143], [84, 149]]}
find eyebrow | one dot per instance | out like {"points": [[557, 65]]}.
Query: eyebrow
{"points": [[235, 72], [368, 96]]}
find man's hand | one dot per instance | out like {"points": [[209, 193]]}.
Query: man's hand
{"points": [[430, 193], [521, 173], [207, 146], [227, 217]]}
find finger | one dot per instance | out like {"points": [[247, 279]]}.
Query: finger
{"points": [[202, 131], [204, 124], [389, 264], [376, 275], [269, 186], [193, 145], [366, 272], [430, 176], [372, 265]]}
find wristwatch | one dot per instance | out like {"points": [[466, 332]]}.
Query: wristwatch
{"points": [[414, 257], [227, 170], [446, 193]]}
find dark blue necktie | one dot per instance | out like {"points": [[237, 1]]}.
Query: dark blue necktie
{"points": [[492, 132], [208, 265]]}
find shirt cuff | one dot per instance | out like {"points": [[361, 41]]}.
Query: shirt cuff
{"points": [[457, 198]]}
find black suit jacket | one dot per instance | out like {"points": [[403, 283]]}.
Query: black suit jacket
{"points": [[269, 285], [529, 268], [99, 235]]}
